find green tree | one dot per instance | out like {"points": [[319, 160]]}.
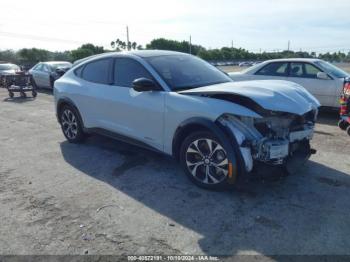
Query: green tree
{"points": [[85, 51]]}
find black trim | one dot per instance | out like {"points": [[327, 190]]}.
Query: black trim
{"points": [[123, 138]]}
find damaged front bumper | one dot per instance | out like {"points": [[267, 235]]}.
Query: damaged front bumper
{"points": [[284, 146]]}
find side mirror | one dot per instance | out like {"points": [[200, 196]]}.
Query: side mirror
{"points": [[322, 75], [144, 85]]}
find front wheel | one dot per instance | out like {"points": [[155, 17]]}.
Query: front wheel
{"points": [[71, 124], [205, 161]]}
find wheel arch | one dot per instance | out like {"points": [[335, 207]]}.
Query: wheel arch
{"points": [[67, 101], [228, 140]]}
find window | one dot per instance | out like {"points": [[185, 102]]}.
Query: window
{"points": [[126, 70], [78, 71], [97, 71], [38, 67], [329, 68], [46, 68], [296, 70], [274, 69], [185, 72], [304, 70], [311, 71]]}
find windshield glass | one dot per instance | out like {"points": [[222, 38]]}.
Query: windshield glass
{"points": [[8, 67], [61, 65], [185, 72], [333, 70]]}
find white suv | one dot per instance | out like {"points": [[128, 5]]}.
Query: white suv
{"points": [[182, 106]]}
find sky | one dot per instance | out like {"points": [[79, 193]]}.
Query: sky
{"points": [[256, 25]]}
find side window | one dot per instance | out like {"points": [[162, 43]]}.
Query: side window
{"points": [[311, 71], [38, 67], [304, 70], [126, 70], [45, 68], [274, 69], [97, 71], [78, 71], [296, 70]]}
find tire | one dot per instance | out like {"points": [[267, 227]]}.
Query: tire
{"points": [[71, 124], [34, 93], [206, 168], [342, 124], [11, 94], [348, 130]]}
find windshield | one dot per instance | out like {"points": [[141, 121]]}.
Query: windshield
{"points": [[60, 65], [333, 70], [4, 67], [185, 72]]}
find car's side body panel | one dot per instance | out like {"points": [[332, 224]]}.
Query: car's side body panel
{"points": [[181, 107]]}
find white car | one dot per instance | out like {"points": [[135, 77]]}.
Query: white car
{"points": [[182, 106], [322, 79]]}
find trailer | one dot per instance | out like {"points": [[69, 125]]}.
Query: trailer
{"points": [[21, 83]]}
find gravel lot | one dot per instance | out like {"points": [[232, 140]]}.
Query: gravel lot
{"points": [[106, 197]]}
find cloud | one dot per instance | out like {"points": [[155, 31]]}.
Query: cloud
{"points": [[253, 24]]}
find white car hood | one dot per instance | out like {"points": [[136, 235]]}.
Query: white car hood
{"points": [[274, 95]]}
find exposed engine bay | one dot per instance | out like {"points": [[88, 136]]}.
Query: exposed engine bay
{"points": [[271, 139], [283, 124]]}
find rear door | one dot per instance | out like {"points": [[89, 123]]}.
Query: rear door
{"points": [[45, 75], [109, 101], [305, 74]]}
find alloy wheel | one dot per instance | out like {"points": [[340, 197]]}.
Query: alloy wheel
{"points": [[207, 161], [69, 124]]}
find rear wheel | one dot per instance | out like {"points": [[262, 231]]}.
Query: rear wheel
{"points": [[71, 124], [205, 161]]}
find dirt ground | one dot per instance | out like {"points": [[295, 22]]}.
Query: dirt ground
{"points": [[106, 197]]}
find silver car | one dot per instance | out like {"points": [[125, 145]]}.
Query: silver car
{"points": [[46, 73], [184, 107]]}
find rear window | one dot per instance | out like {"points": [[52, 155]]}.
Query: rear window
{"points": [[97, 71], [274, 69]]}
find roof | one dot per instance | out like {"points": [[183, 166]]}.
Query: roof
{"points": [[55, 62], [150, 53], [294, 60]]}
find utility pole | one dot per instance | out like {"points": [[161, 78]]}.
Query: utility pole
{"points": [[190, 44], [232, 44], [288, 45], [127, 38]]}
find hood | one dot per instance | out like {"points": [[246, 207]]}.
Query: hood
{"points": [[7, 72], [274, 95]]}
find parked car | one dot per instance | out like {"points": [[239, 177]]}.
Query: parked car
{"points": [[9, 69], [322, 79], [46, 73], [182, 106]]}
